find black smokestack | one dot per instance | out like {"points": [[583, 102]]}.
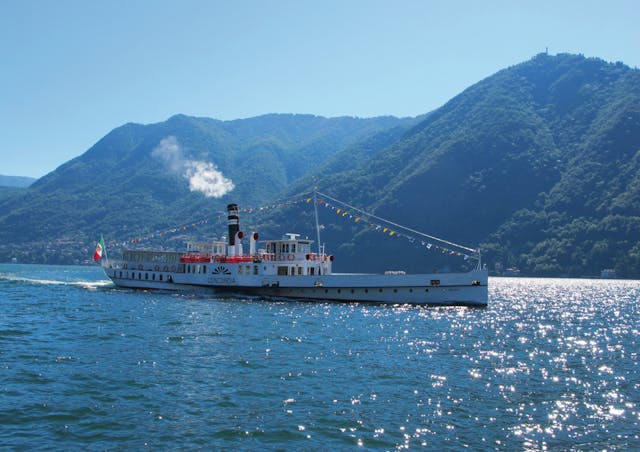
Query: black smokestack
{"points": [[233, 222]]}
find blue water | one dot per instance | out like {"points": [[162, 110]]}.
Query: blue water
{"points": [[550, 363]]}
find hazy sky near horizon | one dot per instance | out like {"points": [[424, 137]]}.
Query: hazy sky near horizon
{"points": [[73, 70]]}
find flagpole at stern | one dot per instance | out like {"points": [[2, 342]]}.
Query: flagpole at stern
{"points": [[106, 256]]}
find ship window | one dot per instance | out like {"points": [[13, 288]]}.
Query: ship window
{"points": [[366, 290], [255, 269], [311, 271], [282, 271], [293, 247], [248, 270], [153, 276], [146, 276], [239, 269], [139, 275], [121, 274], [160, 277], [435, 282], [204, 269], [300, 270]]}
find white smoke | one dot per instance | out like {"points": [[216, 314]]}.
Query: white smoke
{"points": [[202, 176], [205, 178], [170, 152]]}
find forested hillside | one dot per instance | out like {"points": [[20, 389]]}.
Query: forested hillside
{"points": [[142, 178], [539, 164]]}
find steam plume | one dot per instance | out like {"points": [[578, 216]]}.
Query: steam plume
{"points": [[202, 176]]}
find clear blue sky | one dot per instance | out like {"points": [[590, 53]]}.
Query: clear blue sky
{"points": [[71, 71]]}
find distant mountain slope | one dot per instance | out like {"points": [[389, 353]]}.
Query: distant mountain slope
{"points": [[16, 181], [539, 162], [144, 177]]}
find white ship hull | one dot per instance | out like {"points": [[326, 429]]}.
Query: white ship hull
{"points": [[287, 269], [428, 289]]}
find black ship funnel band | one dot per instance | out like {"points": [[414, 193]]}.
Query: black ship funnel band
{"points": [[233, 222]]}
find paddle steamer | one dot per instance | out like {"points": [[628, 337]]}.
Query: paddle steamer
{"points": [[286, 268]]}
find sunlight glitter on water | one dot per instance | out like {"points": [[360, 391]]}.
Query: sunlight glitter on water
{"points": [[579, 354], [549, 364]]}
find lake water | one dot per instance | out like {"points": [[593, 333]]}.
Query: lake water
{"points": [[551, 363]]}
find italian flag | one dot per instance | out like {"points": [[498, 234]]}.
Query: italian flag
{"points": [[97, 255]]}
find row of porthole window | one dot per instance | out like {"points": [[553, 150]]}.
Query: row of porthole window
{"points": [[146, 276]]}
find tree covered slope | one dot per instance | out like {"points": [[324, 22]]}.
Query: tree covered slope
{"points": [[538, 164], [140, 178]]}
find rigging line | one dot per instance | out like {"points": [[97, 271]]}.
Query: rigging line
{"points": [[473, 250]]}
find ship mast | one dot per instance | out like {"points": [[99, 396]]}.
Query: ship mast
{"points": [[315, 207]]}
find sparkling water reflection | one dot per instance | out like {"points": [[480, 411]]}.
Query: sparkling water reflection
{"points": [[550, 364]]}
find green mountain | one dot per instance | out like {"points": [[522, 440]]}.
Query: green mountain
{"points": [[141, 178], [538, 164]]}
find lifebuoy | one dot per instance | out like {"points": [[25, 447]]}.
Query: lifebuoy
{"points": [[157, 268], [166, 268], [291, 257]]}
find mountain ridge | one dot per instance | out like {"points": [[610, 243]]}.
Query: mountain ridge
{"points": [[149, 168], [502, 158], [538, 163]]}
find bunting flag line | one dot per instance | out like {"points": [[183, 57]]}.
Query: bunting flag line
{"points": [[219, 216], [361, 218], [169, 231], [276, 205], [391, 232]]}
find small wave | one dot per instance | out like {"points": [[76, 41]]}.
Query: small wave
{"points": [[89, 285], [93, 285], [19, 279]]}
